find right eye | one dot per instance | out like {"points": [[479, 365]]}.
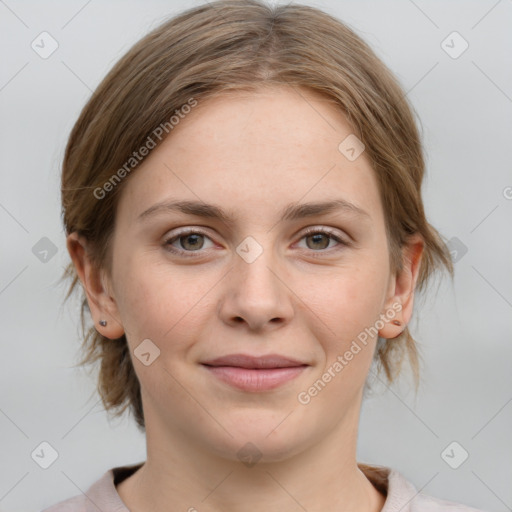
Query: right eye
{"points": [[191, 241]]}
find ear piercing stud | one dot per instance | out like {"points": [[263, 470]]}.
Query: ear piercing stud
{"points": [[103, 323]]}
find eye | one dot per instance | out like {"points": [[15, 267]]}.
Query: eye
{"points": [[190, 241], [319, 239]]}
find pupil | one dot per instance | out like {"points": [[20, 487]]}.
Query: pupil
{"points": [[194, 243], [315, 237]]}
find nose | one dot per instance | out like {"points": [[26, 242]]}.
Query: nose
{"points": [[257, 294]]}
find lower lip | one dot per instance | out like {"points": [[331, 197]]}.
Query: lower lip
{"points": [[248, 379]]}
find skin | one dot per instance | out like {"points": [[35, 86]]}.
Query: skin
{"points": [[250, 154]]}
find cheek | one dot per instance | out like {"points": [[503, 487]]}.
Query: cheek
{"points": [[159, 302], [351, 306], [352, 298]]}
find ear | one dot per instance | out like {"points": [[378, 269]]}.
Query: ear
{"points": [[101, 303], [400, 299]]}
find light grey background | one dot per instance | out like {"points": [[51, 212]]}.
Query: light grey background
{"points": [[465, 105]]}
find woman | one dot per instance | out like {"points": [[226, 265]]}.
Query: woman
{"points": [[242, 200]]}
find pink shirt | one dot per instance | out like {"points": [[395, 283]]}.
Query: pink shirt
{"points": [[401, 495]]}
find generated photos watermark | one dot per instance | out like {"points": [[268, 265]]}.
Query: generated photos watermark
{"points": [[304, 397], [137, 156]]}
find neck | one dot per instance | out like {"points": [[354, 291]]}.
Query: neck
{"points": [[324, 476]]}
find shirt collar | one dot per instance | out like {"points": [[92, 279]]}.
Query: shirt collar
{"points": [[399, 492]]}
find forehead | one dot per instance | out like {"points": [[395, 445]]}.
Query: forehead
{"points": [[255, 152]]}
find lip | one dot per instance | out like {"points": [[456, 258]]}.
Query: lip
{"points": [[248, 361], [251, 373]]}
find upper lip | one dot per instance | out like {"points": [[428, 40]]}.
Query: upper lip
{"points": [[247, 361]]}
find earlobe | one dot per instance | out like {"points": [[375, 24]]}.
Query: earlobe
{"points": [[401, 302], [101, 304]]}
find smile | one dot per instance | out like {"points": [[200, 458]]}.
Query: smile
{"points": [[251, 379], [255, 374]]}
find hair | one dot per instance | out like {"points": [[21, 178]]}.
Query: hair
{"points": [[239, 45]]}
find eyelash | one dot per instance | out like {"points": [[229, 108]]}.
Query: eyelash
{"points": [[191, 254]]}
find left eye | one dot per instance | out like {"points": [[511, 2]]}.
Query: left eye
{"points": [[193, 241], [318, 238]]}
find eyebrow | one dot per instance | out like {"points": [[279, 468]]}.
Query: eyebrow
{"points": [[292, 211]]}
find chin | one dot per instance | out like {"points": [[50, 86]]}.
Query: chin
{"points": [[261, 440]]}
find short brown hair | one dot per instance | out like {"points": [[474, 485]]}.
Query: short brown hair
{"points": [[240, 45]]}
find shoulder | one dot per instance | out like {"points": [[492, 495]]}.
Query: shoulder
{"points": [[404, 496], [424, 503], [74, 504], [101, 495]]}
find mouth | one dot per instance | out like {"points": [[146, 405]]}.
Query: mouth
{"points": [[255, 374]]}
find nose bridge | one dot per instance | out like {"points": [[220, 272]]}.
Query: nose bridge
{"points": [[256, 263], [256, 293]]}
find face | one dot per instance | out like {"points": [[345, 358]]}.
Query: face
{"points": [[302, 286]]}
